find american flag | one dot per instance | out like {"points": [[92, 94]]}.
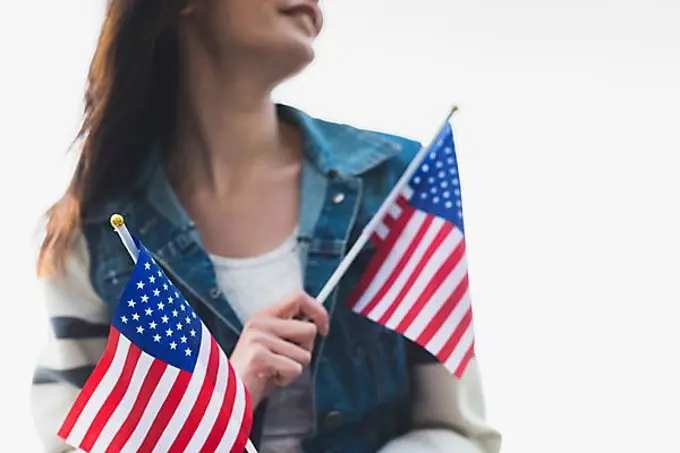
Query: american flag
{"points": [[417, 282], [163, 384]]}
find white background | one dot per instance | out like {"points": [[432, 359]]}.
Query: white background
{"points": [[568, 140]]}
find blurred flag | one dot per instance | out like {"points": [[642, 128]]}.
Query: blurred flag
{"points": [[163, 383], [417, 282]]}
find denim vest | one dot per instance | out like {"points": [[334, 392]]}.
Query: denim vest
{"points": [[362, 394]]}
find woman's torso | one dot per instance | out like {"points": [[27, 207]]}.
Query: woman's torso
{"points": [[359, 375]]}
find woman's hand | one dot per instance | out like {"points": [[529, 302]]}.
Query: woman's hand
{"points": [[276, 344]]}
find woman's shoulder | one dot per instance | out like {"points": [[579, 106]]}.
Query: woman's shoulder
{"points": [[68, 292], [76, 264]]}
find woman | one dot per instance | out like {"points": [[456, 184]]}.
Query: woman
{"points": [[249, 206]]}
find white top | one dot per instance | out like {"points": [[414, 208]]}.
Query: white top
{"points": [[252, 284]]}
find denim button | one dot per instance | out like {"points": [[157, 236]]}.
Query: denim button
{"points": [[338, 198], [333, 419]]}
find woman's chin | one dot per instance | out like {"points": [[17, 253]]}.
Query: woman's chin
{"points": [[291, 56]]}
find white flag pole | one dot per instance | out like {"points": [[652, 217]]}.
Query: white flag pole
{"points": [[118, 224], [365, 235], [250, 448]]}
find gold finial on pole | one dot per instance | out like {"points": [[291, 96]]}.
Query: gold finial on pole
{"points": [[117, 221]]}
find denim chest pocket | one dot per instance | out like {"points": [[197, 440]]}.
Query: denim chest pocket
{"points": [[370, 342], [375, 351], [110, 277]]}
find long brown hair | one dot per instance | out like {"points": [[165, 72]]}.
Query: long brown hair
{"points": [[129, 102]]}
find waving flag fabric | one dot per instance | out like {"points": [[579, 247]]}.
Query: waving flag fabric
{"points": [[417, 282], [163, 383]]}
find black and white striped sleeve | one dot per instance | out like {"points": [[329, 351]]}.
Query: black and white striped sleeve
{"points": [[79, 327]]}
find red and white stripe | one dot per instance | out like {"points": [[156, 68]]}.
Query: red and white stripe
{"points": [[417, 283], [134, 402]]}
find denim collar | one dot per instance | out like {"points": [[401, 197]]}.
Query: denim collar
{"points": [[339, 148]]}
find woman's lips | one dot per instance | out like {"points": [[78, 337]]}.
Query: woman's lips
{"points": [[309, 10]]}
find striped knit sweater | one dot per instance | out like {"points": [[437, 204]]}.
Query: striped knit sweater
{"points": [[448, 414]]}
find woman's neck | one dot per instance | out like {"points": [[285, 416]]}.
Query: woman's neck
{"points": [[227, 128]]}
